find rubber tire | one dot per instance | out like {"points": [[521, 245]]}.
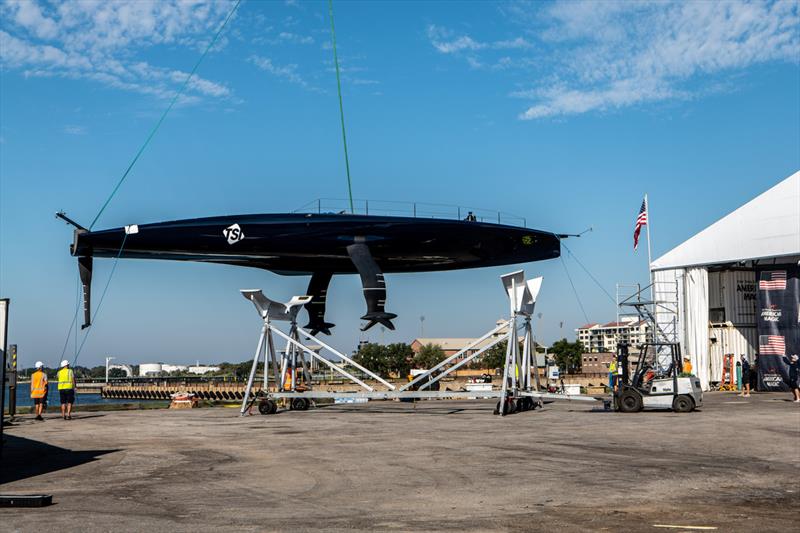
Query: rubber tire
{"points": [[497, 407], [630, 402], [509, 406], [267, 407], [520, 405], [683, 404], [300, 404], [528, 404]]}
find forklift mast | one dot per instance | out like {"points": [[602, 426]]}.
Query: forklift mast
{"points": [[649, 359]]}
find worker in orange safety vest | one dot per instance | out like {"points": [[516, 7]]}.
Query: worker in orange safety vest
{"points": [[39, 389]]}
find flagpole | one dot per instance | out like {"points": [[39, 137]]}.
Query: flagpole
{"points": [[649, 257]]}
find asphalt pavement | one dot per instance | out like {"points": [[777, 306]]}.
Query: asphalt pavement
{"points": [[429, 466]]}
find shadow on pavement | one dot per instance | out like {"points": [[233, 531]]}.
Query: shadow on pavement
{"points": [[23, 458]]}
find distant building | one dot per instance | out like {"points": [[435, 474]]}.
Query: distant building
{"points": [[150, 369], [202, 369], [160, 369], [599, 338], [596, 363]]}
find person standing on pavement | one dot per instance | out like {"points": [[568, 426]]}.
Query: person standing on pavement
{"points": [[745, 377], [794, 376], [39, 389], [66, 389], [612, 374]]}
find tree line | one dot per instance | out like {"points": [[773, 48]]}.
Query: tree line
{"points": [[396, 360]]}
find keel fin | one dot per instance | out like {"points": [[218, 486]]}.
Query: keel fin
{"points": [[373, 284], [383, 319]]}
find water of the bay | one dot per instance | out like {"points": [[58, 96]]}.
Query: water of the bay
{"points": [[24, 397]]}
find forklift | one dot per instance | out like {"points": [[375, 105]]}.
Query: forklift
{"points": [[651, 386]]}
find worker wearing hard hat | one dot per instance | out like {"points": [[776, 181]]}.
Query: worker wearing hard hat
{"points": [[39, 389], [612, 374], [66, 389]]}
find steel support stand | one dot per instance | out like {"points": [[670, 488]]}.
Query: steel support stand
{"points": [[504, 387], [532, 350], [252, 376], [518, 363], [343, 357], [457, 355], [274, 359]]}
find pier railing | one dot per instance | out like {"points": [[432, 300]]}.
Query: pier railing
{"points": [[410, 209]]}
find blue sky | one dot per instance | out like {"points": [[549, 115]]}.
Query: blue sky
{"points": [[565, 113]]}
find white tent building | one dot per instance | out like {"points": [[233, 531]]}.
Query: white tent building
{"points": [[706, 286]]}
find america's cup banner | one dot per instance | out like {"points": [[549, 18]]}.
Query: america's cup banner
{"points": [[778, 324]]}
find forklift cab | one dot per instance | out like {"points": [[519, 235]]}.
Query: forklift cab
{"points": [[655, 381]]}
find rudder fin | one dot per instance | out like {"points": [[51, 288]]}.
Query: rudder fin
{"points": [[85, 271]]}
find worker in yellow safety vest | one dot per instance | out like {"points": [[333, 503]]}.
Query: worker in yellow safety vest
{"points": [[612, 374], [39, 389], [66, 389]]}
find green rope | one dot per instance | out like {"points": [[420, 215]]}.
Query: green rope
{"points": [[341, 107], [166, 111]]}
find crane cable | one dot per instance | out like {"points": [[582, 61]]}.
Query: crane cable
{"points": [[166, 112], [144, 145], [574, 290], [589, 273], [341, 107]]}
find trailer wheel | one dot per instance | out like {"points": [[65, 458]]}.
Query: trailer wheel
{"points": [[528, 404], [300, 404], [682, 404], [630, 402], [522, 405], [507, 406], [267, 407]]}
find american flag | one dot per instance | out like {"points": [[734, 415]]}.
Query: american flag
{"points": [[774, 280], [771, 345], [641, 220]]}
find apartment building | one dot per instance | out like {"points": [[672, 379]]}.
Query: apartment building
{"points": [[603, 338]]}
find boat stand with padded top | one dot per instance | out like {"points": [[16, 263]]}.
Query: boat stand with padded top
{"points": [[518, 392]]}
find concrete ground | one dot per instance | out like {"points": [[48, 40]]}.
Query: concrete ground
{"points": [[431, 466]]}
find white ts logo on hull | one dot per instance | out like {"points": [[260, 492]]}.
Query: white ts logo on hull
{"points": [[233, 233]]}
